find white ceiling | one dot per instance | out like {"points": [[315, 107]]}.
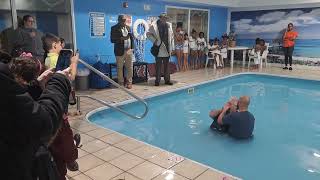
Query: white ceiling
{"points": [[252, 3]]}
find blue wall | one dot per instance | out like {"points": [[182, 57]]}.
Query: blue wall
{"points": [[90, 47]]}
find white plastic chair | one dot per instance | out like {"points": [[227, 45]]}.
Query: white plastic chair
{"points": [[210, 58], [224, 53], [264, 57]]}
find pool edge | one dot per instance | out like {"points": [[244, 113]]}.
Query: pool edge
{"points": [[182, 88]]}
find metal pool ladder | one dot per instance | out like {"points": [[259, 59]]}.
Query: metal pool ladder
{"points": [[99, 73]]}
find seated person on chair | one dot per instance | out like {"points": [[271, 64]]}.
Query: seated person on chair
{"points": [[238, 124], [215, 51]]}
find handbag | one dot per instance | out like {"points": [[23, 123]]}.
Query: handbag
{"points": [[155, 49]]}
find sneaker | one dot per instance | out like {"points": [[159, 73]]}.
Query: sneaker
{"points": [[156, 84], [169, 83], [73, 166], [77, 140], [290, 68], [285, 67]]}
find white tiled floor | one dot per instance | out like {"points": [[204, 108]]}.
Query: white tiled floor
{"points": [[127, 161], [113, 138], [166, 159], [146, 170], [146, 152], [184, 167], [94, 146], [88, 162], [125, 176], [106, 154], [97, 133], [169, 174], [109, 153], [104, 171]]}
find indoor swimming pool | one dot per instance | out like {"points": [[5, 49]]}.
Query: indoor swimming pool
{"points": [[286, 136]]}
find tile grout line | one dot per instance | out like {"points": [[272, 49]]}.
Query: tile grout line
{"points": [[160, 90]]}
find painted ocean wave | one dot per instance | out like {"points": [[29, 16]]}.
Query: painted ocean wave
{"points": [[303, 47]]}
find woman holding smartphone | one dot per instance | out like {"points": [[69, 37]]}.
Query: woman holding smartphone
{"points": [[289, 38]]}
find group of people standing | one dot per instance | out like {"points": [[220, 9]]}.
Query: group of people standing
{"points": [[191, 51], [186, 46], [160, 34], [259, 50]]}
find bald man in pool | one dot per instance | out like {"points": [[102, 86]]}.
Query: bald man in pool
{"points": [[238, 123]]}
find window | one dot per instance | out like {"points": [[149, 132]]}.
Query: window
{"points": [[189, 19], [6, 28], [49, 16], [199, 21], [52, 16], [179, 17]]}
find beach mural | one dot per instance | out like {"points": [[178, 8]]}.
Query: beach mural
{"points": [[270, 26]]}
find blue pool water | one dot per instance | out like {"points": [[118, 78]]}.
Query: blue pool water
{"points": [[286, 143]]}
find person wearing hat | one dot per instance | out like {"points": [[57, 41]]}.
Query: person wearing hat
{"points": [[161, 34], [123, 49]]}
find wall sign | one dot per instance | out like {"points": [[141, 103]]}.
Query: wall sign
{"points": [[113, 20], [97, 24]]}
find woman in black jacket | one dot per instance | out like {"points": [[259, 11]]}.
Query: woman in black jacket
{"points": [[25, 123]]}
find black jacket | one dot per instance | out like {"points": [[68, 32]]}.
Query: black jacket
{"points": [[115, 36], [25, 122]]}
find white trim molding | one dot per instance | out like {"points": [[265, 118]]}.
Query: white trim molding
{"points": [[73, 21]]}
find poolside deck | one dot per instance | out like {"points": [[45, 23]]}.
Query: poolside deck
{"points": [[106, 154]]}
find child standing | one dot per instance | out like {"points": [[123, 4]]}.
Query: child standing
{"points": [[64, 145], [185, 64], [224, 48], [53, 46], [179, 46], [193, 50], [202, 44], [257, 52]]}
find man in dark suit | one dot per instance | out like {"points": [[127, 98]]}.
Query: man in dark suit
{"points": [[123, 49], [161, 34]]}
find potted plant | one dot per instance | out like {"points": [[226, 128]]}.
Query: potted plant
{"points": [[232, 39]]}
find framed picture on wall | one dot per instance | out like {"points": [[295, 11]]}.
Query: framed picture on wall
{"points": [[97, 24]]}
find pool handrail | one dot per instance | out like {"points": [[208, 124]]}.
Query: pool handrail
{"points": [[103, 76]]}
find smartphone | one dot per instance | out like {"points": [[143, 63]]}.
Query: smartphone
{"points": [[64, 59]]}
